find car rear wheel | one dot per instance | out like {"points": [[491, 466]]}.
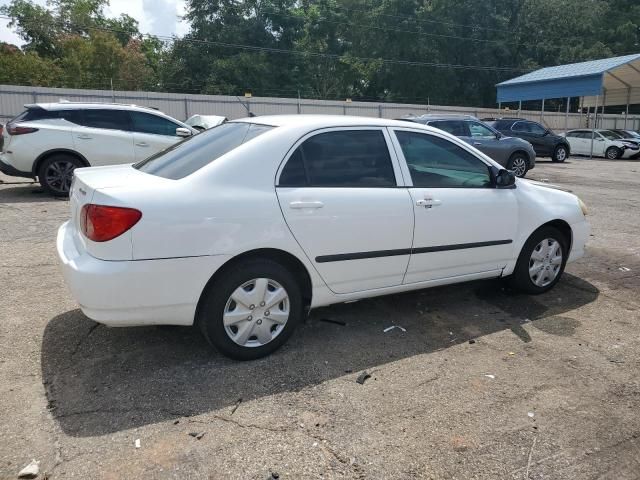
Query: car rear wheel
{"points": [[541, 261], [560, 154], [251, 311], [56, 173], [518, 164], [613, 153]]}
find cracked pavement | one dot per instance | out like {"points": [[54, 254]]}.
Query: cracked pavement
{"points": [[76, 395]]}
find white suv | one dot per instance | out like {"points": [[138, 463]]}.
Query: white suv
{"points": [[49, 140]]}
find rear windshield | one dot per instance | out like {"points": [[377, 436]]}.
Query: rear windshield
{"points": [[195, 152]]}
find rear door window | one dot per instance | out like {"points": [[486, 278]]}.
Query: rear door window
{"points": [[454, 127], [109, 119], [147, 123], [195, 152], [344, 158]]}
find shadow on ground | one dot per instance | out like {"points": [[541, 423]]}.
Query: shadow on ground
{"points": [[24, 192], [100, 380]]}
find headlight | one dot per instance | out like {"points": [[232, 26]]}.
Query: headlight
{"points": [[583, 207]]}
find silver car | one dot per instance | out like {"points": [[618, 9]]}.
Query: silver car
{"points": [[514, 154]]}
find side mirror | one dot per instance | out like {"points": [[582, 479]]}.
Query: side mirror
{"points": [[504, 179], [183, 132]]}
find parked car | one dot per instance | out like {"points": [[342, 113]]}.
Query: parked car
{"points": [[606, 144], [544, 141], [514, 154], [49, 140], [245, 227], [630, 134], [204, 122]]}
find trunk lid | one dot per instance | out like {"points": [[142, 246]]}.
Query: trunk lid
{"points": [[92, 185]]}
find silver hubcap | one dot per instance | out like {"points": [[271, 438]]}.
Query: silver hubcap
{"points": [[545, 262], [519, 167], [59, 175], [561, 154], [256, 312], [613, 154]]}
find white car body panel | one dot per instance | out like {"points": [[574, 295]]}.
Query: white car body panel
{"points": [[102, 146], [582, 146], [156, 271]]}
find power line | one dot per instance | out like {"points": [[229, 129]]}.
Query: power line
{"points": [[303, 53]]}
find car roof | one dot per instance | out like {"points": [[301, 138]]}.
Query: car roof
{"points": [[428, 117], [323, 121], [89, 105]]}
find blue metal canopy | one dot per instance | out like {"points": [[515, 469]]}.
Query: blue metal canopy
{"points": [[573, 80]]}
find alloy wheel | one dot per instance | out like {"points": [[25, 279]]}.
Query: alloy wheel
{"points": [[561, 154], [256, 312], [545, 262], [519, 166], [59, 175]]}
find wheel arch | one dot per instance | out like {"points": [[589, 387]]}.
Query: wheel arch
{"points": [[43, 156], [563, 227], [288, 260], [523, 152]]}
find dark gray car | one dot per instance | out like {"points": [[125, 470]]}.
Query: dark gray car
{"points": [[514, 154]]}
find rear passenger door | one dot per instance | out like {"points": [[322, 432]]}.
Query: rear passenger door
{"points": [[152, 133], [102, 136], [338, 191]]}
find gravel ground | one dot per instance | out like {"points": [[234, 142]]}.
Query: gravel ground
{"points": [[483, 384]]}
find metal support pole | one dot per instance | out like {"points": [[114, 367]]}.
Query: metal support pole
{"points": [[626, 112], [542, 111], [299, 106], [593, 130], [604, 102], [186, 108], [566, 116], [519, 108], [499, 105]]}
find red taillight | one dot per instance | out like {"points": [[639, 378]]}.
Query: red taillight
{"points": [[18, 130], [101, 223]]}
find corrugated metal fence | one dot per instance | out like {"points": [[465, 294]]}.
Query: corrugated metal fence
{"points": [[181, 106]]}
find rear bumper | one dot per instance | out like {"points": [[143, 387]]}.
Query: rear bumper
{"points": [[135, 293], [10, 170]]}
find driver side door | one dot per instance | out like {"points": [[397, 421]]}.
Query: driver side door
{"points": [[151, 134], [464, 226]]}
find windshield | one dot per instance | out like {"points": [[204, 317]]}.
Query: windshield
{"points": [[195, 152], [609, 135]]}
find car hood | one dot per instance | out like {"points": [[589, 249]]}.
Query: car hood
{"points": [[544, 185]]}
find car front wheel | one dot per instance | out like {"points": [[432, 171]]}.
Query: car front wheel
{"points": [[541, 261], [560, 154], [56, 173], [252, 310], [518, 164], [613, 153]]}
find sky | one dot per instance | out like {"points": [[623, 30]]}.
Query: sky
{"points": [[159, 17]]}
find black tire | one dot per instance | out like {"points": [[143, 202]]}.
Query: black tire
{"points": [[518, 164], [560, 154], [56, 172], [520, 279], [215, 297], [613, 153]]}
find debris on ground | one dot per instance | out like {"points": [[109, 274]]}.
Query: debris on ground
{"points": [[235, 407], [197, 435], [137, 443], [363, 378], [624, 269], [273, 476], [30, 471], [388, 329], [193, 434], [472, 341], [512, 353], [331, 320], [488, 375], [531, 414], [175, 422]]}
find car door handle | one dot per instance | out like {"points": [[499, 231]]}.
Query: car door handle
{"points": [[300, 204], [477, 144], [142, 144], [428, 203], [84, 137]]}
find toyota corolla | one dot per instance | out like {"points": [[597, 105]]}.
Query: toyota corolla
{"points": [[243, 229]]}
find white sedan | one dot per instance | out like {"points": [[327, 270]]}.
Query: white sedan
{"points": [[605, 143], [244, 228]]}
